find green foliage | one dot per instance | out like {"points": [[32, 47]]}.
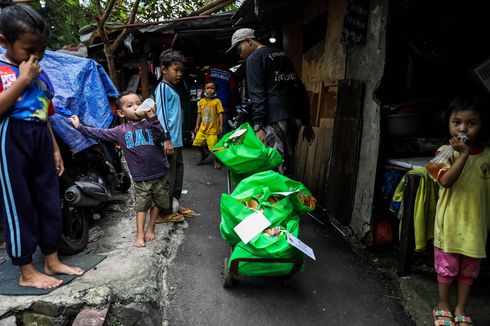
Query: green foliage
{"points": [[161, 10], [66, 17]]}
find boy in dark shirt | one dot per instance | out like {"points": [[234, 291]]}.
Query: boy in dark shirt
{"points": [[141, 140]]}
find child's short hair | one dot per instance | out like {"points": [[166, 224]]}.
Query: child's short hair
{"points": [[479, 104], [170, 56], [118, 100], [18, 19], [211, 82]]}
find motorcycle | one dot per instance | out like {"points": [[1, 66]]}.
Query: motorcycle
{"points": [[93, 179], [243, 113]]}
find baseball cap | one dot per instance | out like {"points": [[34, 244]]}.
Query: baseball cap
{"points": [[240, 35]]}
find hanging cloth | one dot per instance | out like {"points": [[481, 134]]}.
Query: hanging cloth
{"points": [[355, 23]]}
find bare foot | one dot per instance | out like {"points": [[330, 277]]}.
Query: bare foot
{"points": [[31, 277], [149, 235], [139, 242], [60, 268]]}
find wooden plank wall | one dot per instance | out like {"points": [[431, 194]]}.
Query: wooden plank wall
{"points": [[311, 161], [342, 170]]}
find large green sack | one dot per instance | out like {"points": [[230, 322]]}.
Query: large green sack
{"points": [[275, 182], [281, 200], [261, 186], [246, 154], [233, 211], [265, 246]]}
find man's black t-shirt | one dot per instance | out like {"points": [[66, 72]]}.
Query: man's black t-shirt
{"points": [[274, 88]]}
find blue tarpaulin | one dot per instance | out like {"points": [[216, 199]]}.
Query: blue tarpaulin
{"points": [[83, 88]]}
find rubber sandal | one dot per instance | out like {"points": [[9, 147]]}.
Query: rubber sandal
{"points": [[463, 319], [175, 217], [187, 212], [436, 314], [202, 159]]}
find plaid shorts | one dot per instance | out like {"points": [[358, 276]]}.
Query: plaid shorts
{"points": [[151, 193], [276, 137]]}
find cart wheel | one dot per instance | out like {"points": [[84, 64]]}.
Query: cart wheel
{"points": [[227, 277]]}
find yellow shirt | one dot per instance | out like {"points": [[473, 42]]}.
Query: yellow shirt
{"points": [[209, 109], [463, 210]]}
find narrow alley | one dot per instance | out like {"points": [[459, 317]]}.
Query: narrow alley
{"points": [[339, 288]]}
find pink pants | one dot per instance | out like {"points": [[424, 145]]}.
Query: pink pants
{"points": [[449, 266]]}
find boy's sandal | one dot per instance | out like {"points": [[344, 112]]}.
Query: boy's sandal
{"points": [[463, 319], [174, 217], [202, 159], [443, 322], [187, 212]]}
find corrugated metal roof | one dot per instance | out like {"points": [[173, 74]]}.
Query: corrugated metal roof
{"points": [[205, 39]]}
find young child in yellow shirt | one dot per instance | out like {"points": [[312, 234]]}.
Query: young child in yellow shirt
{"points": [[209, 124], [463, 209]]}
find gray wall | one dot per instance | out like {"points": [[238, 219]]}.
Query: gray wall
{"points": [[366, 63]]}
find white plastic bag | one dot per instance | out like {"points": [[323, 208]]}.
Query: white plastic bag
{"points": [[441, 160]]}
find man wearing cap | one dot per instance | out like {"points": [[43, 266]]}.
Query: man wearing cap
{"points": [[277, 95]]}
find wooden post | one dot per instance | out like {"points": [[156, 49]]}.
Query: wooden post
{"points": [[145, 82]]}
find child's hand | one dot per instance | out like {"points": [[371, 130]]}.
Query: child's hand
{"points": [[220, 130], [58, 162], [196, 129], [169, 147], [152, 112], [29, 69], [459, 145], [75, 121]]}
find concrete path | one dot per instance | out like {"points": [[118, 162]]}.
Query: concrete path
{"points": [[129, 281], [340, 288]]}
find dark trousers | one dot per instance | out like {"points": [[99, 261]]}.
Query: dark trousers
{"points": [[29, 201], [175, 177]]}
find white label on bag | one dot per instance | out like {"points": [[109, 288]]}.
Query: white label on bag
{"points": [[251, 226], [237, 133], [284, 193], [297, 243]]}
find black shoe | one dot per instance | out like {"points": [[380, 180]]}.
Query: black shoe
{"points": [[202, 159]]}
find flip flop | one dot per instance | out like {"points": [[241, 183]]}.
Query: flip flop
{"points": [[463, 319], [187, 212], [175, 217], [437, 313]]}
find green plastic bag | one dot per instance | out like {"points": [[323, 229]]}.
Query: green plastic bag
{"points": [[281, 200], [274, 182], [261, 187], [233, 211], [244, 153], [265, 246]]}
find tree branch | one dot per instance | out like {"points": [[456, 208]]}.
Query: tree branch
{"points": [[100, 25], [107, 11], [125, 31]]}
